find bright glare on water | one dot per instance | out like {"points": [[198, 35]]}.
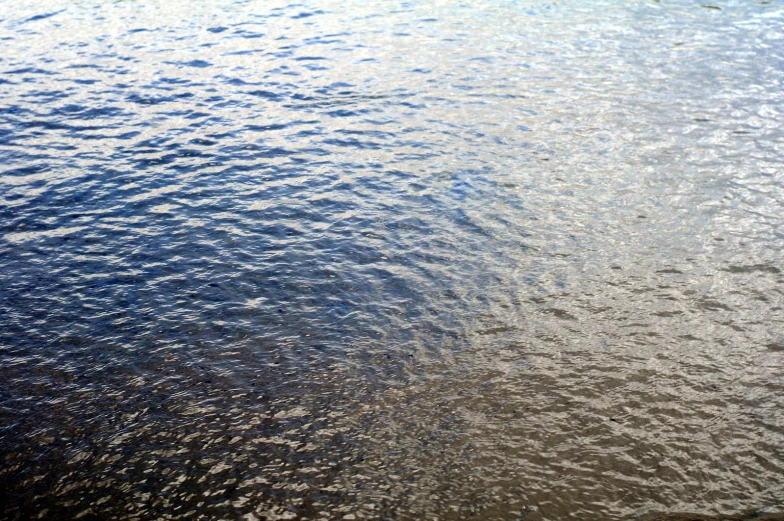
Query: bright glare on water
{"points": [[427, 260]]}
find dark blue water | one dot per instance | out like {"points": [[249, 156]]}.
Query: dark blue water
{"points": [[406, 260]]}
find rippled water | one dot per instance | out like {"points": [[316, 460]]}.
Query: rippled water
{"points": [[423, 260]]}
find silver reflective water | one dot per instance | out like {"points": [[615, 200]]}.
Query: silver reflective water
{"points": [[421, 260]]}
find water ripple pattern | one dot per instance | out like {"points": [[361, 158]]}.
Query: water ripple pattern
{"points": [[392, 260]]}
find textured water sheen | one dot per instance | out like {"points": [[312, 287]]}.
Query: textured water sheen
{"points": [[422, 260]]}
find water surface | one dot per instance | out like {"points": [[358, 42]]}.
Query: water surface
{"points": [[422, 260]]}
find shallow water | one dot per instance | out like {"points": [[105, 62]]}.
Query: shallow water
{"points": [[420, 260]]}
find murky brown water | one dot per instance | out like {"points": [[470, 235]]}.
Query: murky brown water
{"points": [[419, 260]]}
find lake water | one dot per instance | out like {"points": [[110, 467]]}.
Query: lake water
{"points": [[427, 260]]}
